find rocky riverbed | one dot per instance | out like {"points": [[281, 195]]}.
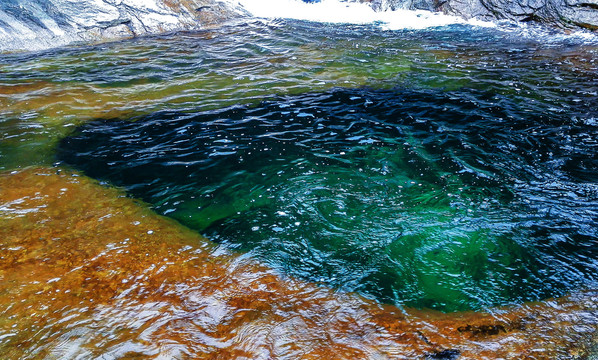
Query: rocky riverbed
{"points": [[87, 273], [461, 155]]}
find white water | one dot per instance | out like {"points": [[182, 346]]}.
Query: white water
{"points": [[334, 11]]}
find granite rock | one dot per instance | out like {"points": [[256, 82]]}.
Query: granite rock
{"points": [[41, 24], [569, 14]]}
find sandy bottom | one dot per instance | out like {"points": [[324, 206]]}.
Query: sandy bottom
{"points": [[87, 273]]}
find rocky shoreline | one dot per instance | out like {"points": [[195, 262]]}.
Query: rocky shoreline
{"points": [[44, 24], [566, 14]]}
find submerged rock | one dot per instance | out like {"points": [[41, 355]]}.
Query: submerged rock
{"points": [[35, 25], [88, 273]]}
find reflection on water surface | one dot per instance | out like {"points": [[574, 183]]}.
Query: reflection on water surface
{"points": [[89, 273]]}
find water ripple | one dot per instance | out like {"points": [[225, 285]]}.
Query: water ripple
{"points": [[418, 197]]}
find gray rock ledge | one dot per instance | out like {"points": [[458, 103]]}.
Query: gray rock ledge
{"points": [[566, 14], [27, 25]]}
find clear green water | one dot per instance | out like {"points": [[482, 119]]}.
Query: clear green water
{"points": [[452, 168]]}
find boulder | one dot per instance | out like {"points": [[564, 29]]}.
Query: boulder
{"points": [[569, 14], [41, 24]]}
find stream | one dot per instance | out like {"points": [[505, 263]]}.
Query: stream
{"points": [[450, 167]]}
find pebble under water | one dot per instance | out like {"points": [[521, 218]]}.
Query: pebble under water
{"points": [[450, 200]]}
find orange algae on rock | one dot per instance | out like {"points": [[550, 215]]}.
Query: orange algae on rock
{"points": [[87, 272]]}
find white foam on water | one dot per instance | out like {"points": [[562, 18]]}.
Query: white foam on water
{"points": [[548, 35], [334, 11]]}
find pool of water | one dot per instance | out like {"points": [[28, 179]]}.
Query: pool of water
{"points": [[451, 167], [424, 198]]}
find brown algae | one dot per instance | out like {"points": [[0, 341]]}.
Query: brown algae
{"points": [[87, 272]]}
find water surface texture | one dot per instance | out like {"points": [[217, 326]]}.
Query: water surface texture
{"points": [[450, 201], [450, 167], [117, 281]]}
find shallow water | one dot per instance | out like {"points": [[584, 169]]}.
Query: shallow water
{"points": [[88, 273], [452, 168]]}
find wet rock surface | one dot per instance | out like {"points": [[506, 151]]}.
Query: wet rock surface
{"points": [[560, 13], [36, 25]]}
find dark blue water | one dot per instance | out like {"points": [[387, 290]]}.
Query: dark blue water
{"points": [[452, 200]]}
